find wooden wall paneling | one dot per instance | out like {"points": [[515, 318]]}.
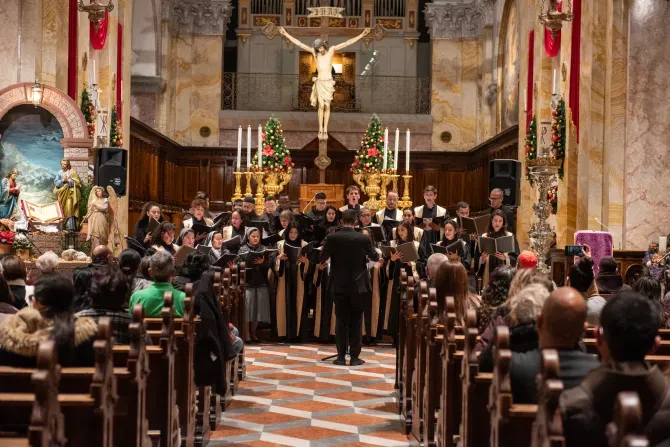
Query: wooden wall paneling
{"points": [[217, 183], [191, 183]]}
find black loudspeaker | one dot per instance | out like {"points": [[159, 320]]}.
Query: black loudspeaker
{"points": [[506, 175], [110, 169]]}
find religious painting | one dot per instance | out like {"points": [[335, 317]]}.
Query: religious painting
{"points": [[510, 69], [30, 143]]}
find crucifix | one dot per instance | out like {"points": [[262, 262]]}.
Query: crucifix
{"points": [[324, 84]]}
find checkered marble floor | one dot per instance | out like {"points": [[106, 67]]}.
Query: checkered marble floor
{"points": [[291, 398]]}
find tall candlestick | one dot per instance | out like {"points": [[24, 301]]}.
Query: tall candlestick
{"points": [[386, 147], [554, 85], [525, 100], [260, 153], [395, 155], [95, 76], [407, 153], [248, 147], [239, 147]]}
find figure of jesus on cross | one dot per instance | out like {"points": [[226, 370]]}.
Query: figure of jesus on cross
{"points": [[324, 84]]}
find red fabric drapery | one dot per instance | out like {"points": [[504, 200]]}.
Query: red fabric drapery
{"points": [[72, 57], [529, 85], [99, 34], [119, 69], [575, 65], [553, 46]]}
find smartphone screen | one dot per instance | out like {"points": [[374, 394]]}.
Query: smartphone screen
{"points": [[574, 250]]}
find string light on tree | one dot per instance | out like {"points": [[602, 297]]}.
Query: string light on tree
{"points": [[370, 157], [274, 154]]}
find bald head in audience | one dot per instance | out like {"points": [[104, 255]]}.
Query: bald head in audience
{"points": [[102, 255], [562, 320]]}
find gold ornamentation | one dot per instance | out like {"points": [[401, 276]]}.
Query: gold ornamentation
{"points": [[260, 197], [411, 19], [369, 183], [288, 16], [275, 181], [264, 20], [336, 23], [244, 37], [247, 192], [390, 23], [553, 19], [367, 42], [322, 162], [302, 22], [386, 179], [84, 61], [411, 41], [96, 11], [406, 201], [238, 187], [353, 23], [244, 16], [564, 72], [394, 177]]}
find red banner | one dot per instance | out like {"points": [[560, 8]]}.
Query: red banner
{"points": [[529, 85], [553, 46], [72, 56], [98, 33], [575, 64], [119, 70]]}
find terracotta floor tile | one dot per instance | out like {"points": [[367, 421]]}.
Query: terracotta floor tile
{"points": [[388, 407], [310, 433], [242, 405], [272, 394], [250, 384], [351, 395], [226, 431], [317, 369], [254, 444], [314, 385], [353, 444], [313, 406], [378, 386], [378, 370], [270, 375], [265, 418], [285, 362], [353, 378], [358, 420], [394, 435]]}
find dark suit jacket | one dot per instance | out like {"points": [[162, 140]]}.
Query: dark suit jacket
{"points": [[573, 363], [347, 250]]}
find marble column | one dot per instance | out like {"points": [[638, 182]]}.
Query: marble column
{"points": [[197, 32], [460, 65]]}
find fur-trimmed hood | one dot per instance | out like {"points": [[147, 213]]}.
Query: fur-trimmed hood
{"points": [[22, 332]]}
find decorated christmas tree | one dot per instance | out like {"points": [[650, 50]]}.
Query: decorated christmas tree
{"points": [[370, 157], [276, 156], [558, 134], [88, 110], [115, 132], [531, 146]]}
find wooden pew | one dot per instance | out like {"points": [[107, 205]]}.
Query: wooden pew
{"points": [[590, 333], [408, 360], [626, 426], [46, 424], [433, 334], [399, 351], [223, 290], [548, 425], [511, 424], [90, 403], [244, 328], [449, 408], [226, 301], [184, 376], [474, 424], [419, 375], [161, 399]]}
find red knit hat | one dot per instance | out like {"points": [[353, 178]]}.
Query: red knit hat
{"points": [[527, 260]]}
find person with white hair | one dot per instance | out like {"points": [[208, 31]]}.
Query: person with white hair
{"points": [[432, 265], [47, 262]]}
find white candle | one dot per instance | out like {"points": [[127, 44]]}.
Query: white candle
{"points": [[260, 154], [95, 76], [525, 100], [239, 148], [386, 147], [395, 155], [554, 86], [407, 154], [662, 243], [248, 147]]}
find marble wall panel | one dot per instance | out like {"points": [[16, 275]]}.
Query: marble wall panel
{"points": [[647, 206], [207, 72], [9, 32]]}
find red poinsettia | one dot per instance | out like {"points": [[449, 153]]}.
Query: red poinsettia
{"points": [[287, 161], [268, 151], [373, 152], [264, 136]]}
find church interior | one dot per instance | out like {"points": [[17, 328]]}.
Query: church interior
{"points": [[334, 223]]}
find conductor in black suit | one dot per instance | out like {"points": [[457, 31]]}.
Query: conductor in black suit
{"points": [[349, 252]]}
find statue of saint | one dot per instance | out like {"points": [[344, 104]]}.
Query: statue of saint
{"points": [[324, 85], [67, 188], [9, 194]]}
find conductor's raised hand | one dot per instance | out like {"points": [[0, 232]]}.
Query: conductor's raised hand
{"points": [[259, 261]]}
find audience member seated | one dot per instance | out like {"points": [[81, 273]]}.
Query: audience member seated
{"points": [[526, 260], [628, 331], [451, 279], [522, 279], [101, 256], [195, 265], [560, 326], [129, 263], [494, 294], [649, 287], [50, 318], [162, 271], [7, 300], [581, 278], [523, 309], [14, 272], [47, 263], [109, 294], [144, 268], [609, 281], [81, 278], [432, 265]]}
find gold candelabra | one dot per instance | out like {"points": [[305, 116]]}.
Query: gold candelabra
{"points": [[275, 181], [260, 198], [394, 177], [248, 192], [238, 187], [406, 201], [386, 178], [369, 183]]}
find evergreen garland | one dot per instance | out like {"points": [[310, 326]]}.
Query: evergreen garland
{"points": [[370, 157], [552, 197], [531, 147], [558, 134], [88, 110], [276, 156], [115, 132]]}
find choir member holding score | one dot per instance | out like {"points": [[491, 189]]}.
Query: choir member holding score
{"points": [[163, 238], [291, 307], [449, 238], [371, 311], [353, 195], [151, 210], [237, 226], [408, 217], [429, 217], [489, 261]]}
